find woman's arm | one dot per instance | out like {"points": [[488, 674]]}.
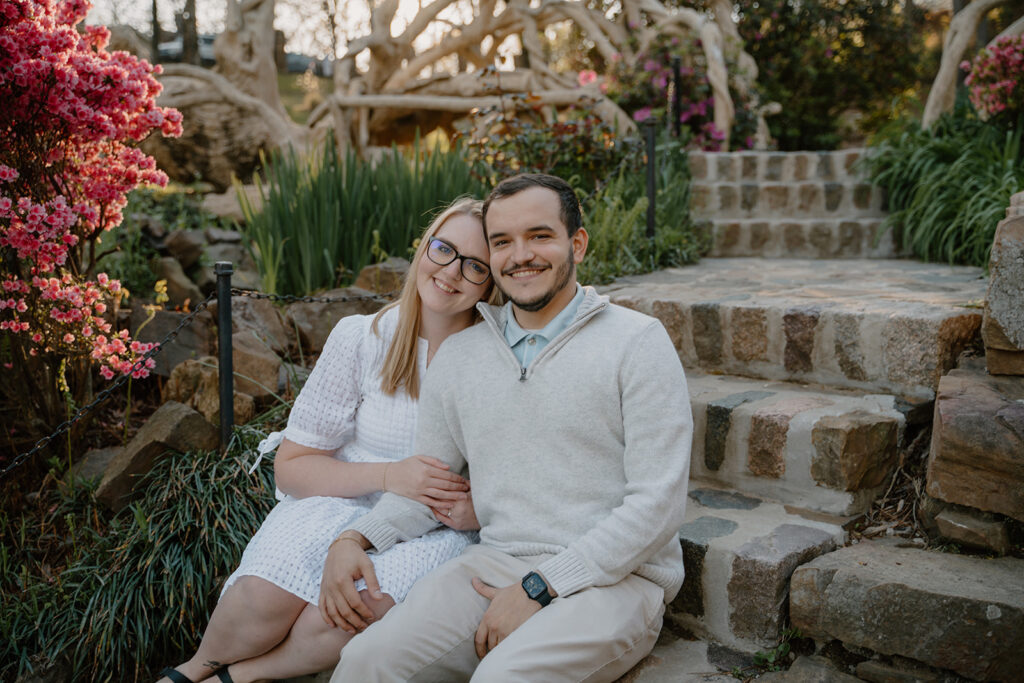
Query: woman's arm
{"points": [[303, 472]]}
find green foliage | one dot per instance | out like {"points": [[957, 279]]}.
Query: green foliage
{"points": [[616, 219], [581, 149], [949, 186], [820, 58], [135, 589], [319, 213], [129, 250]]}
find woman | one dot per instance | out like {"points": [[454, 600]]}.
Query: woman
{"points": [[347, 439]]}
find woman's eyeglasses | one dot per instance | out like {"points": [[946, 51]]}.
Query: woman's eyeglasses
{"points": [[442, 253]]}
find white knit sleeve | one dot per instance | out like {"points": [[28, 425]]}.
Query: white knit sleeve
{"points": [[324, 413]]}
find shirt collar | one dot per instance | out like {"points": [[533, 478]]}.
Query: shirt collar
{"points": [[514, 333]]}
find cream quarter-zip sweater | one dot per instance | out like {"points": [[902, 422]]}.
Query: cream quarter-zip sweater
{"points": [[583, 455]]}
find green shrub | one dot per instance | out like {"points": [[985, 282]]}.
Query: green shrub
{"points": [[948, 186], [134, 590], [820, 58], [321, 213]]}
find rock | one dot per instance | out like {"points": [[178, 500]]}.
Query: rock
{"points": [[977, 530], [750, 333], [809, 669], [245, 275], [880, 672], [256, 366], [218, 235], [193, 341], [918, 604], [766, 450], [291, 378], [761, 570], [181, 291], [315, 320], [695, 537], [258, 318], [707, 333], [854, 451], [719, 421], [186, 246], [1001, 362], [1003, 326], [977, 449], [384, 278], [173, 427], [226, 204], [93, 464], [799, 326], [196, 383]]}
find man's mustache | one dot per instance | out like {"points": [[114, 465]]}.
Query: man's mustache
{"points": [[523, 266]]}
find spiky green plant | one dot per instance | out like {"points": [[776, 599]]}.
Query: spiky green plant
{"points": [[318, 214], [948, 186], [137, 587]]}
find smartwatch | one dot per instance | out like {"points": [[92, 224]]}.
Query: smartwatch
{"points": [[536, 588]]}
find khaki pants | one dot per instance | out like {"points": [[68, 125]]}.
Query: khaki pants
{"points": [[597, 634]]}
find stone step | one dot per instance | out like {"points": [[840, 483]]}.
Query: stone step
{"points": [[964, 614], [828, 451], [806, 199], [734, 167], [882, 326], [740, 553], [802, 238]]}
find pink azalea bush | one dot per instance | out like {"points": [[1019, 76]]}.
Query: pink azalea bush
{"points": [[70, 114], [995, 79]]}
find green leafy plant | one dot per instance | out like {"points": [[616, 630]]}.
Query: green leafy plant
{"points": [[314, 228], [821, 58], [113, 597], [948, 186]]}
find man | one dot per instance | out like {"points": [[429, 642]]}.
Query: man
{"points": [[573, 417]]}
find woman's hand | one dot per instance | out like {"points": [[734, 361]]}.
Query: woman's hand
{"points": [[425, 480], [460, 515]]}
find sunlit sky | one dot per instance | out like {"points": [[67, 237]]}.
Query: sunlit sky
{"points": [[301, 22]]}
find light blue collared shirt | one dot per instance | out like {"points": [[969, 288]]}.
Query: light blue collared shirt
{"points": [[526, 344]]}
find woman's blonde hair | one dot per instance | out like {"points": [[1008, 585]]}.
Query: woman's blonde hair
{"points": [[400, 368]]}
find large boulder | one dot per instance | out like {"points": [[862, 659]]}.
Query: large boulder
{"points": [[1003, 326], [196, 383], [384, 278], [256, 367], [315, 320], [181, 291], [193, 341], [173, 427], [977, 450], [949, 611], [259, 319]]}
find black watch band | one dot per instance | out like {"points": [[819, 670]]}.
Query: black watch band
{"points": [[536, 588]]}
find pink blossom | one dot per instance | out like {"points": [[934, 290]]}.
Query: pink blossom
{"points": [[642, 114], [586, 77]]}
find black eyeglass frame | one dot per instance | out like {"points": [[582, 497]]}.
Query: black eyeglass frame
{"points": [[462, 260]]}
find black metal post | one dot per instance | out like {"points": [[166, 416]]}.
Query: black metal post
{"points": [[676, 98], [651, 162], [225, 371]]}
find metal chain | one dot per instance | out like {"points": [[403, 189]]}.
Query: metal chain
{"points": [[108, 392], [291, 298], [187, 320]]}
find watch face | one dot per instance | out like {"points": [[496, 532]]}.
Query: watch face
{"points": [[534, 585]]}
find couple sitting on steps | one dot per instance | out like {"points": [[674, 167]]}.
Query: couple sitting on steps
{"points": [[569, 417]]}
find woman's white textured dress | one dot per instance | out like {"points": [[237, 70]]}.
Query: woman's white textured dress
{"points": [[343, 408]]}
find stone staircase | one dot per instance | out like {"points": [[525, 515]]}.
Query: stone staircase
{"points": [[795, 204], [813, 353]]}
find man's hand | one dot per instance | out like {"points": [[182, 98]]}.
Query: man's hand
{"points": [[510, 607], [460, 515], [425, 480], [340, 603]]}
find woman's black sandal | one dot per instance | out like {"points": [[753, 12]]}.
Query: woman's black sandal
{"points": [[175, 675], [223, 675]]}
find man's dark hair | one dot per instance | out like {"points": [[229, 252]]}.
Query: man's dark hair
{"points": [[571, 214]]}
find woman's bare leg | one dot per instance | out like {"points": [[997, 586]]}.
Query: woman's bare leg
{"points": [[252, 617], [311, 646]]}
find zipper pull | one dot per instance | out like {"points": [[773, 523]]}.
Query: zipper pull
{"points": [[522, 374]]}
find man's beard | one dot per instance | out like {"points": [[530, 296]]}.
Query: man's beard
{"points": [[562, 276]]}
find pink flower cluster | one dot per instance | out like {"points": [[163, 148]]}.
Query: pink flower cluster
{"points": [[70, 112], [995, 79]]}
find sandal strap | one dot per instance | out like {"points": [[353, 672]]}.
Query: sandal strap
{"points": [[223, 675], [176, 676]]}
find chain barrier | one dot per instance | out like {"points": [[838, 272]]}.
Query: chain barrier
{"points": [[182, 324]]}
